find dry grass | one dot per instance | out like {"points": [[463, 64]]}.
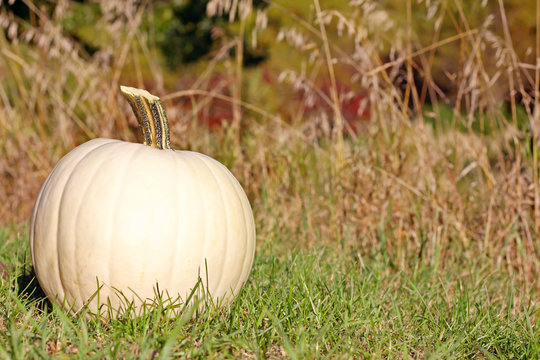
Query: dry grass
{"points": [[396, 185]]}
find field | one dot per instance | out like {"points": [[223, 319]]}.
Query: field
{"points": [[298, 304], [389, 151]]}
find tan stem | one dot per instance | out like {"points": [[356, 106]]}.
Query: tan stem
{"points": [[150, 115]]}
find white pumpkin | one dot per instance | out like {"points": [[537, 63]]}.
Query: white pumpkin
{"points": [[135, 218]]}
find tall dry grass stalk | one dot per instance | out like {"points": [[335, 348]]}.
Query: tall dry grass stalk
{"points": [[409, 182]]}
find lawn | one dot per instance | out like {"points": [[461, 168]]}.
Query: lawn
{"points": [[297, 304]]}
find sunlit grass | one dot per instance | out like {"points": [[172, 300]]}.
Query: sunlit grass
{"points": [[296, 304]]}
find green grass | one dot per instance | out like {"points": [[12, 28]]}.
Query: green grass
{"points": [[297, 304]]}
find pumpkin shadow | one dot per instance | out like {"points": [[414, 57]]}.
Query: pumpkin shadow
{"points": [[28, 288]]}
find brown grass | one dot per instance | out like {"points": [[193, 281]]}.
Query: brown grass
{"points": [[395, 185]]}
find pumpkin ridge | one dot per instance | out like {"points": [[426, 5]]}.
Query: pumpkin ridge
{"points": [[227, 217], [35, 213], [173, 278], [202, 249], [240, 195], [249, 222], [70, 177], [112, 218], [37, 206], [247, 258], [82, 297]]}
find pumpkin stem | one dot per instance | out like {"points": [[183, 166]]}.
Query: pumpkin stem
{"points": [[151, 116]]}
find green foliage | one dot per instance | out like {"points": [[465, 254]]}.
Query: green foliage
{"points": [[183, 31], [297, 304], [432, 21], [186, 34], [443, 118], [81, 24]]}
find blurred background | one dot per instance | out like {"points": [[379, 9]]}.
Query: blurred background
{"points": [[406, 127]]}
